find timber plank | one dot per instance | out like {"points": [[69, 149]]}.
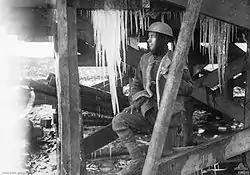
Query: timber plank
{"points": [[31, 3], [231, 11], [99, 101], [221, 104], [207, 154], [110, 4], [99, 139]]}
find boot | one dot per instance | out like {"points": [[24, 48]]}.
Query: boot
{"points": [[135, 166]]}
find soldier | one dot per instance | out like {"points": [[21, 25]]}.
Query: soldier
{"points": [[146, 90]]}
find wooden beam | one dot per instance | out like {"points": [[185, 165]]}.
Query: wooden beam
{"points": [[99, 101], [67, 81], [31, 3], [221, 104], [99, 139], [232, 11], [205, 155], [171, 88], [240, 81], [110, 4]]}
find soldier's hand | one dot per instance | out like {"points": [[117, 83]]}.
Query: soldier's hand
{"points": [[130, 109]]}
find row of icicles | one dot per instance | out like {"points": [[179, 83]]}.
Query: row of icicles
{"points": [[218, 35], [111, 38]]}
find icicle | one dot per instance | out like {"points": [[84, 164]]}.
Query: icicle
{"points": [[205, 33], [109, 29], [141, 22], [219, 55], [211, 41], [223, 57], [95, 154], [162, 17], [181, 16], [100, 152], [110, 151], [131, 22], [168, 14], [144, 19], [136, 22], [175, 15], [200, 22], [236, 32], [229, 26]]}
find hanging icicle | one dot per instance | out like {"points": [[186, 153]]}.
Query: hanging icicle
{"points": [[219, 34], [141, 22], [148, 22], [131, 22], [168, 14], [162, 17], [110, 39], [136, 22], [201, 26], [219, 55], [211, 40], [144, 19]]}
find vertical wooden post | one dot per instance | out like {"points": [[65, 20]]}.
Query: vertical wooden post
{"points": [[171, 88], [67, 81], [229, 89], [247, 96], [188, 125]]}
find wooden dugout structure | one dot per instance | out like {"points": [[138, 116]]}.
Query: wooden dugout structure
{"points": [[72, 31]]}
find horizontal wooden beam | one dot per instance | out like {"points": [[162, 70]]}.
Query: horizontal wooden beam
{"points": [[99, 139], [86, 4], [110, 4], [98, 101], [221, 104], [240, 81], [207, 154], [31, 3], [233, 11]]}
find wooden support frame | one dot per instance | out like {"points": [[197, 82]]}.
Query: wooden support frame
{"points": [[99, 139], [220, 103], [232, 11], [207, 154], [67, 81]]}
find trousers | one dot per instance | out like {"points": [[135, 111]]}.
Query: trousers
{"points": [[127, 125]]}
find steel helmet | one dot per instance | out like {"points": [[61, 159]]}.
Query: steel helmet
{"points": [[161, 27]]}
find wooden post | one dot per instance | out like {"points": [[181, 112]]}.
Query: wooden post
{"points": [[247, 96], [229, 87], [67, 81], [171, 88], [188, 125]]}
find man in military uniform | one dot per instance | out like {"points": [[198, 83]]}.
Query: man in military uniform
{"points": [[146, 91]]}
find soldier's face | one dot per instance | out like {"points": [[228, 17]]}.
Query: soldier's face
{"points": [[152, 41]]}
